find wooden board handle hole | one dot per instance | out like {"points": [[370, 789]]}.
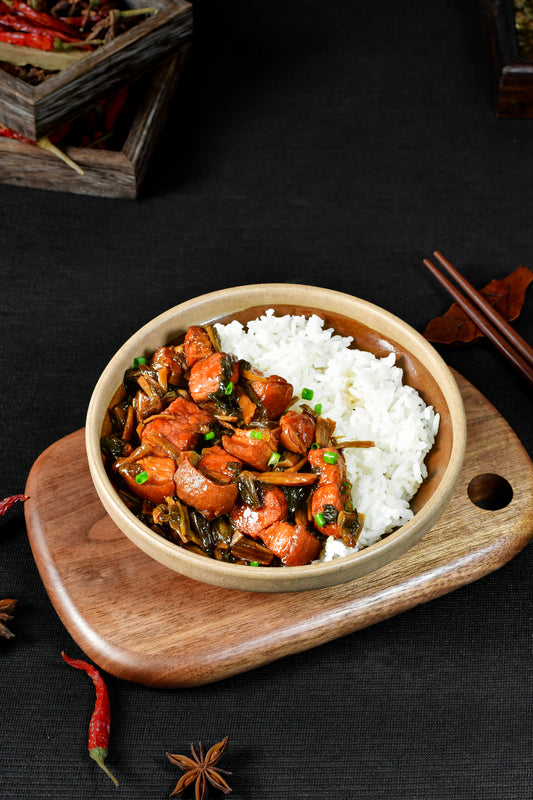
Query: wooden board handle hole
{"points": [[490, 491]]}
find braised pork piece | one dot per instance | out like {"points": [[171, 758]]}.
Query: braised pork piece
{"points": [[219, 458]]}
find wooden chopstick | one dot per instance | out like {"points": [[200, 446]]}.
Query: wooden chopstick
{"points": [[507, 340], [525, 350]]}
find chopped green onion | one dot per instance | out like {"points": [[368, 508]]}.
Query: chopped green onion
{"points": [[330, 456], [142, 477], [307, 394], [138, 361], [254, 563], [229, 388], [273, 460], [348, 506], [319, 519], [256, 434], [345, 487], [209, 435], [315, 446], [318, 408]]}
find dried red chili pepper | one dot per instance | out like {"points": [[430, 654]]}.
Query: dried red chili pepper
{"points": [[100, 723], [17, 23], [39, 17], [9, 133], [43, 41], [113, 107], [40, 41], [7, 502]]}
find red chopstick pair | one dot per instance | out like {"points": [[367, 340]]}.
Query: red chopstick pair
{"points": [[494, 326]]}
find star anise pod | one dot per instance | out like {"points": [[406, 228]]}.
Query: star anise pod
{"points": [[6, 615], [201, 769]]}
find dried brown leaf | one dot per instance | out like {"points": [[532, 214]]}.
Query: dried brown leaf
{"points": [[506, 295]]}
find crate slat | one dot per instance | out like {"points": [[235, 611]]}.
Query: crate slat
{"points": [[37, 110], [108, 173]]}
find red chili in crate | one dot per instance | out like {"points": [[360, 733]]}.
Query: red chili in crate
{"points": [[9, 133], [16, 22], [100, 723], [8, 502], [113, 107], [40, 18], [45, 143], [41, 41]]}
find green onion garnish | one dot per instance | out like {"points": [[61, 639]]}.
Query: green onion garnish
{"points": [[348, 506], [256, 434], [319, 519], [330, 456], [229, 388], [345, 487], [318, 408], [307, 394], [254, 563], [273, 460], [142, 477], [138, 361], [315, 446], [209, 435]]}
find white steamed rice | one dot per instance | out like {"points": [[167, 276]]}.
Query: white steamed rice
{"points": [[366, 398]]}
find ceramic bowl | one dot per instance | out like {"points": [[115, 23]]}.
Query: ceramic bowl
{"points": [[375, 330]]}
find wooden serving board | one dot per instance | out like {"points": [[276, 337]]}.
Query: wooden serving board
{"points": [[142, 622]]}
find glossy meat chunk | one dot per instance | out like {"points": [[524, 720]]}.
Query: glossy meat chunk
{"points": [[197, 344], [326, 500], [212, 375], [254, 447], [274, 393], [328, 473], [181, 423], [219, 465], [159, 483], [197, 490], [293, 544], [297, 432], [252, 521]]}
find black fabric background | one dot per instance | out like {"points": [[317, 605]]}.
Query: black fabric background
{"points": [[335, 144]]}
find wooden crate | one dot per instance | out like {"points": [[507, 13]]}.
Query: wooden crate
{"points": [[511, 73], [108, 173], [37, 110]]}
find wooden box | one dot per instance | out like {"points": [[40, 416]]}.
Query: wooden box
{"points": [[108, 173], [511, 63], [37, 110]]}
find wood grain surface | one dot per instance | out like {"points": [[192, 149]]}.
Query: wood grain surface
{"points": [[143, 623], [107, 173], [38, 110]]}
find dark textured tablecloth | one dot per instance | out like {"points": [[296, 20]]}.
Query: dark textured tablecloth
{"points": [[335, 144]]}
